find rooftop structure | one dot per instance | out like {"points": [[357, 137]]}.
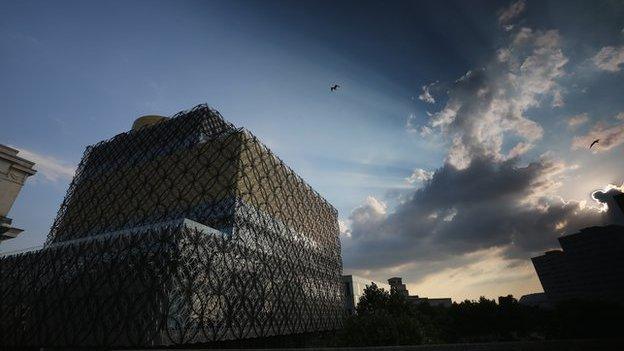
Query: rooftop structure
{"points": [[13, 173], [588, 266], [182, 230], [432, 301], [535, 300], [397, 286]]}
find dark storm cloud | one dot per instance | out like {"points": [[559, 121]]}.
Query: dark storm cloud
{"points": [[459, 211], [493, 203], [482, 197]]}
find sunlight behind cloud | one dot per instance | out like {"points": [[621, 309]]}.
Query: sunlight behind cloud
{"points": [[603, 196], [489, 271]]}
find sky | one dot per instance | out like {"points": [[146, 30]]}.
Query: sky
{"points": [[456, 148]]}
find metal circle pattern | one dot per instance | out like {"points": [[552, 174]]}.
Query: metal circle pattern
{"points": [[185, 231]]}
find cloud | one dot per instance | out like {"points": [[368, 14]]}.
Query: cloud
{"points": [[371, 211], [344, 228], [558, 98], [23, 38], [610, 136], [411, 123], [609, 58], [49, 167], [511, 12], [483, 198], [486, 107], [486, 205], [577, 120], [426, 94], [419, 176]]}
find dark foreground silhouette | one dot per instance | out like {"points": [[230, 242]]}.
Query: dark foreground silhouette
{"points": [[385, 319], [389, 319]]}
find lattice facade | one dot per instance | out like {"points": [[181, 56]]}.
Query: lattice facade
{"points": [[186, 231]]}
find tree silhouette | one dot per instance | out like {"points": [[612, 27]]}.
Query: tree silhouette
{"points": [[382, 319], [385, 318]]}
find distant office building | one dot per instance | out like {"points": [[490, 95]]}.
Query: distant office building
{"points": [[553, 270], [183, 230], [506, 300], [397, 286], [535, 300], [354, 289], [589, 265], [432, 301], [13, 173]]}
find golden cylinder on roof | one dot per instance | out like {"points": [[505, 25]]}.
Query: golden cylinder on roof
{"points": [[146, 121]]}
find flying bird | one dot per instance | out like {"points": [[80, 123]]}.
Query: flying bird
{"points": [[334, 87], [594, 143]]}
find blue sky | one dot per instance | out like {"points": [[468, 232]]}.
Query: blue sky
{"points": [[545, 78]]}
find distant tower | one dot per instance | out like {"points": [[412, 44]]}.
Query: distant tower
{"points": [[397, 286], [13, 173]]}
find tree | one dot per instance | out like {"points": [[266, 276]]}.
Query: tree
{"points": [[382, 319], [374, 299]]}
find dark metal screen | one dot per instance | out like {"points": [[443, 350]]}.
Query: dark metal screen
{"points": [[187, 231]]}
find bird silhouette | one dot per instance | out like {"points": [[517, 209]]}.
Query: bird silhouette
{"points": [[334, 87], [594, 143]]}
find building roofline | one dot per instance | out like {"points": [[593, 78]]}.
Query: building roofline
{"points": [[234, 129], [10, 154]]}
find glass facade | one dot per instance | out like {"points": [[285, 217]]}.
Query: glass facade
{"points": [[186, 231]]}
